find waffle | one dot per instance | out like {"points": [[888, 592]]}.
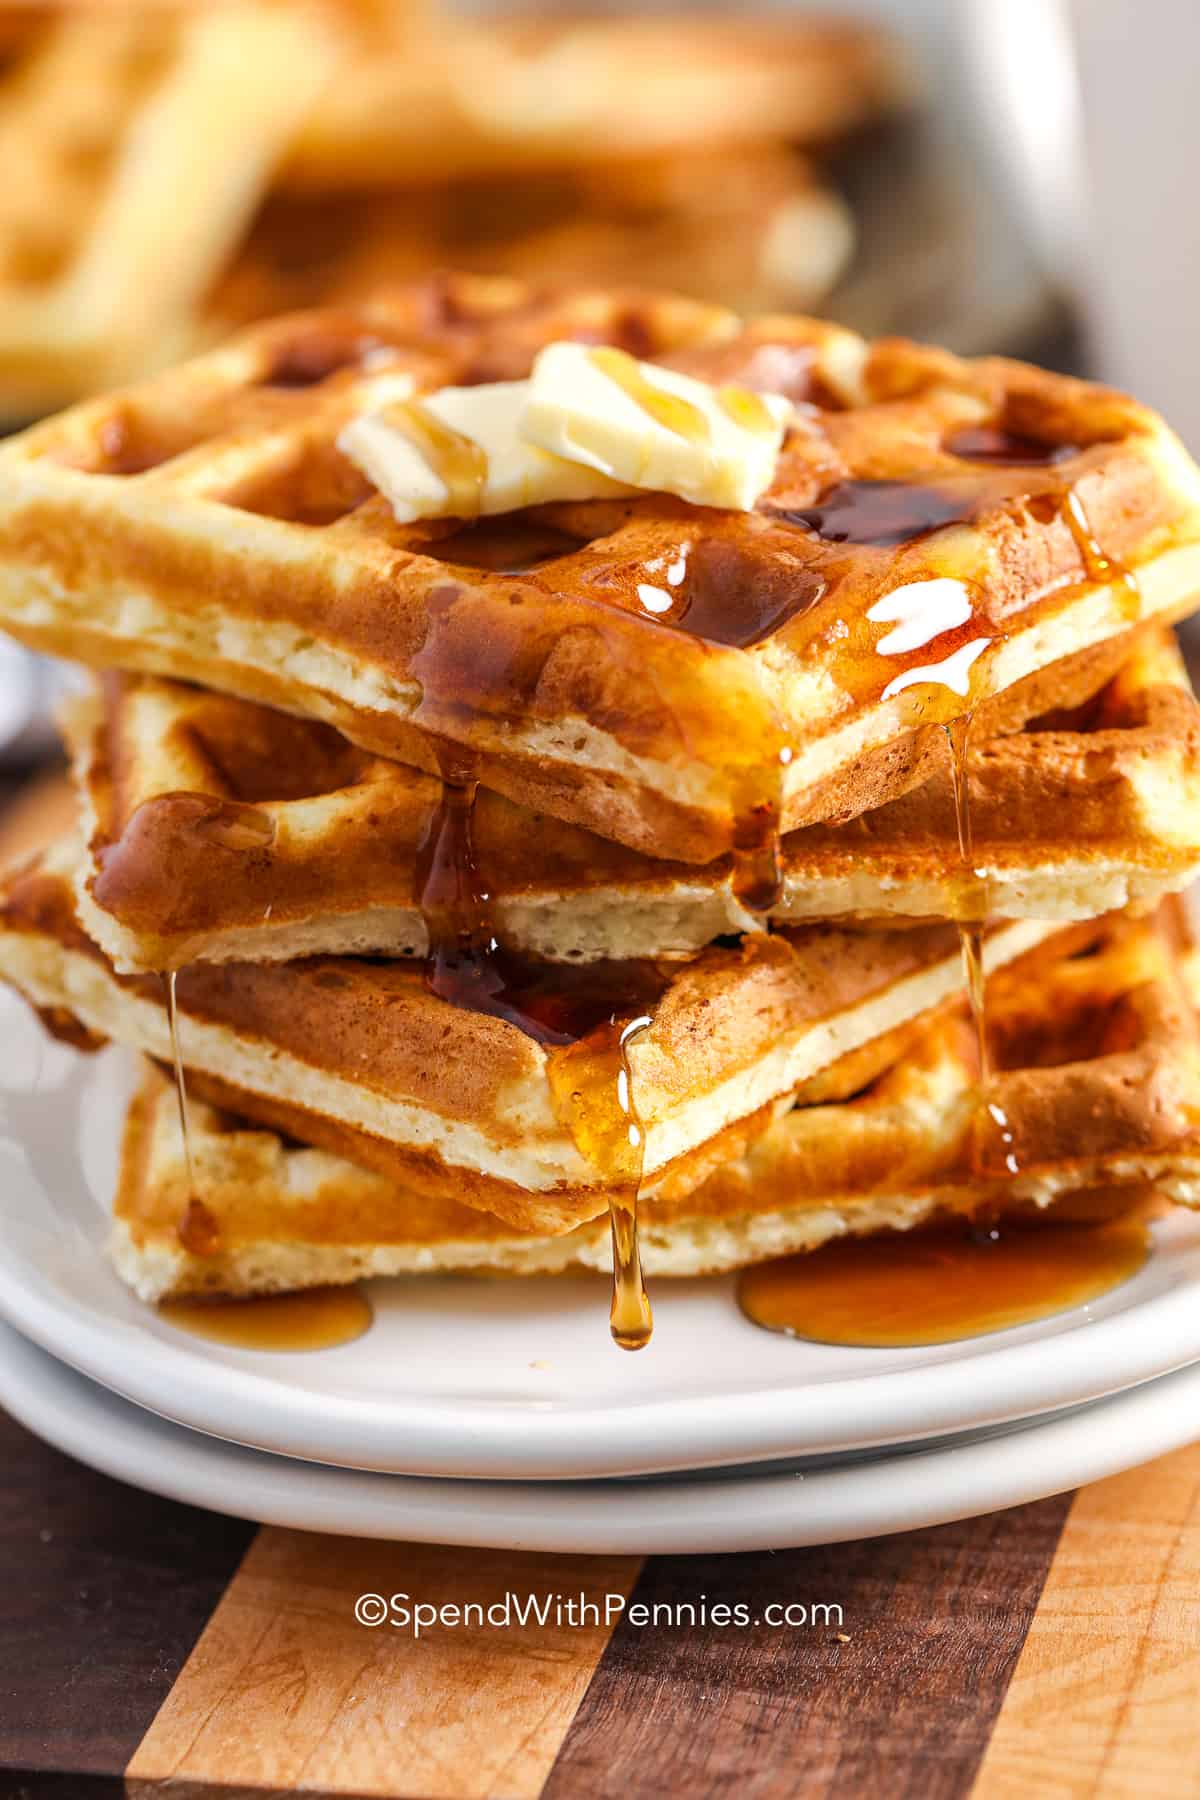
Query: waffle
{"points": [[463, 101], [362, 1058], [204, 526], [1099, 1082], [219, 830], [128, 202], [753, 228]]}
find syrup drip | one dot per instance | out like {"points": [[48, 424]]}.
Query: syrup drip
{"points": [[671, 411], [747, 410], [1101, 567], [970, 915], [757, 876], [592, 1085], [970, 894], [198, 1231], [575, 1013], [907, 1289], [317, 1319], [993, 445], [458, 462]]}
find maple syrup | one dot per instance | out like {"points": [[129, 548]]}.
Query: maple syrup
{"points": [[671, 411], [747, 410], [1005, 449], [504, 544], [716, 591], [580, 1015], [934, 1287], [885, 513], [992, 444], [1100, 566], [457, 460], [198, 1231], [591, 1082], [969, 893], [315, 1319]]}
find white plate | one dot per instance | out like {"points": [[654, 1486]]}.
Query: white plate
{"points": [[518, 1379], [647, 1516]]}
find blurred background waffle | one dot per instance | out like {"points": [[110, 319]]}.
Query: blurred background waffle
{"points": [[360, 143], [177, 168]]}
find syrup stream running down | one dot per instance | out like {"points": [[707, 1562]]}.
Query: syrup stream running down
{"points": [[970, 899], [971, 910], [458, 461], [575, 1013], [892, 513], [741, 406], [671, 411], [198, 1231], [1101, 567]]}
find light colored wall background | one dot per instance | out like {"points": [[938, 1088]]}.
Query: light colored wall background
{"points": [[1139, 77]]}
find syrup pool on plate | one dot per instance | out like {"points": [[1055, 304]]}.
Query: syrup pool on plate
{"points": [[907, 1289]]}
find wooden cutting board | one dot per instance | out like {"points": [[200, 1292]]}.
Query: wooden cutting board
{"points": [[1050, 1651]]}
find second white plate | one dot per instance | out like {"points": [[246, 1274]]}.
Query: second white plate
{"points": [[518, 1379], [678, 1515]]}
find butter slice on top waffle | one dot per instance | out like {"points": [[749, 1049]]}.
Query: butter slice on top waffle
{"points": [[139, 143], [1099, 1079], [362, 1058], [937, 536], [219, 830]]}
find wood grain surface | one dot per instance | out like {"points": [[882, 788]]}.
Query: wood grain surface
{"points": [[1051, 1650], [460, 1713]]}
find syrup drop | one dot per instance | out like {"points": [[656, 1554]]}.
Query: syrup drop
{"points": [[198, 1231]]}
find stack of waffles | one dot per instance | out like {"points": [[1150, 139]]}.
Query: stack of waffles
{"points": [[360, 143], [513, 892]]}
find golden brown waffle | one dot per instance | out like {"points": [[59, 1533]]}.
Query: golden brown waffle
{"points": [[138, 143], [458, 101], [362, 1058], [205, 526], [1099, 1081], [220, 830], [752, 228]]}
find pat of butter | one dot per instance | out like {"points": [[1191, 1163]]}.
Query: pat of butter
{"points": [[654, 428], [457, 453]]}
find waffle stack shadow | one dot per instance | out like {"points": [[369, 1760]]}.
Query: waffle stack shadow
{"points": [[535, 905]]}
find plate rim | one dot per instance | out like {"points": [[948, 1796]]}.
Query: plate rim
{"points": [[1074, 1357], [1092, 1361], [755, 1512]]}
